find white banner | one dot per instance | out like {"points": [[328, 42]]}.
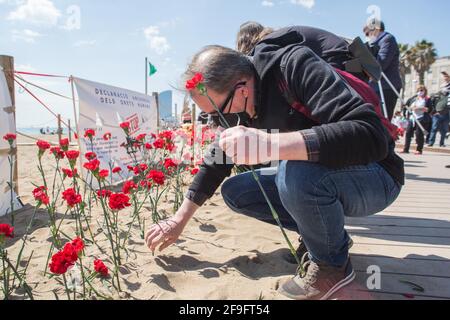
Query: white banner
{"points": [[103, 108], [7, 125]]}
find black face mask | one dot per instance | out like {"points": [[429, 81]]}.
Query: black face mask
{"points": [[230, 120]]}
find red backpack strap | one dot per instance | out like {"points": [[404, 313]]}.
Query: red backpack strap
{"points": [[361, 87], [369, 96]]}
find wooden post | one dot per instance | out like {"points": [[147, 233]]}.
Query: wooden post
{"points": [[156, 95], [59, 128], [146, 76], [69, 131], [7, 63]]}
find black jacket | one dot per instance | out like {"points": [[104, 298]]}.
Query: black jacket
{"points": [[328, 46], [351, 133]]}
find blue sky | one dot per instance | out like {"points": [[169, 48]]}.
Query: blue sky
{"points": [[111, 39]]}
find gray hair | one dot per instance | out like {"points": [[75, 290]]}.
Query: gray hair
{"points": [[221, 67]]}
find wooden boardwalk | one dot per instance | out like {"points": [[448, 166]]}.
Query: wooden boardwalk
{"points": [[410, 241]]}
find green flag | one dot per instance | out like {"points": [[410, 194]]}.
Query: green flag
{"points": [[152, 69]]}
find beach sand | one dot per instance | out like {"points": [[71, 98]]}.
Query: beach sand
{"points": [[221, 255]]}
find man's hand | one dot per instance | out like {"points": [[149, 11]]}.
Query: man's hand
{"points": [[165, 233], [247, 146]]}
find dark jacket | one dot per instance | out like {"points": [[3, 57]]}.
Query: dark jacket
{"points": [[389, 59], [351, 133], [328, 46]]}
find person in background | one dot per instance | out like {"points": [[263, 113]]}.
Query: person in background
{"points": [[187, 117], [419, 108], [441, 117], [328, 46], [388, 55]]}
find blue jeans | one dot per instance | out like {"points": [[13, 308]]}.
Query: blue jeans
{"points": [[315, 200], [440, 124]]}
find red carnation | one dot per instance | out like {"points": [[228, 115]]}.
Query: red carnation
{"points": [[10, 137], [168, 135], [104, 193], [125, 126], [119, 201], [107, 136], [90, 156], [103, 174], [57, 152], [157, 176], [169, 163], [141, 137], [43, 146], [40, 195], [194, 82], [117, 170], [78, 245], [92, 166], [71, 197], [195, 171], [66, 258], [140, 168], [60, 264], [159, 144], [72, 154], [64, 144], [130, 168], [70, 173], [6, 231], [170, 147], [148, 146], [129, 187], [89, 133], [100, 268]]}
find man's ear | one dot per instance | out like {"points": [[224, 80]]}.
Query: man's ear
{"points": [[245, 92]]}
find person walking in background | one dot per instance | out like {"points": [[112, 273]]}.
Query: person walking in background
{"points": [[419, 108], [388, 55], [441, 117]]}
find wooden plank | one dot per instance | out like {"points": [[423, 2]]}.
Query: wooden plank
{"points": [[434, 287], [365, 247], [419, 232], [414, 267], [399, 222]]}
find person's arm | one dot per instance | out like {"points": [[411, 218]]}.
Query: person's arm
{"points": [[215, 168], [351, 132], [387, 52]]}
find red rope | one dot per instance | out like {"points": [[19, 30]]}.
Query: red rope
{"points": [[40, 74], [42, 103]]}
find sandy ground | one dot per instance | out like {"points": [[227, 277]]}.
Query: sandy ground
{"points": [[221, 255]]}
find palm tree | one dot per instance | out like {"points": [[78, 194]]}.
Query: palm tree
{"points": [[405, 64], [422, 56]]}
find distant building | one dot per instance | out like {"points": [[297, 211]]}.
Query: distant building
{"points": [[433, 78], [165, 106]]}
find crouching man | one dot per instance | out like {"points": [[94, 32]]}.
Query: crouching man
{"points": [[336, 157]]}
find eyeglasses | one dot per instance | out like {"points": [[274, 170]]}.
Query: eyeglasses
{"points": [[218, 116]]}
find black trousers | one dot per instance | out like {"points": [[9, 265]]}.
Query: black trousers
{"points": [[420, 137], [391, 99]]}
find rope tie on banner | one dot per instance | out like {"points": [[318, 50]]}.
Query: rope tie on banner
{"points": [[41, 74], [42, 103], [42, 88]]}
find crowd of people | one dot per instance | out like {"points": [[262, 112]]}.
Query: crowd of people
{"points": [[425, 116]]}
